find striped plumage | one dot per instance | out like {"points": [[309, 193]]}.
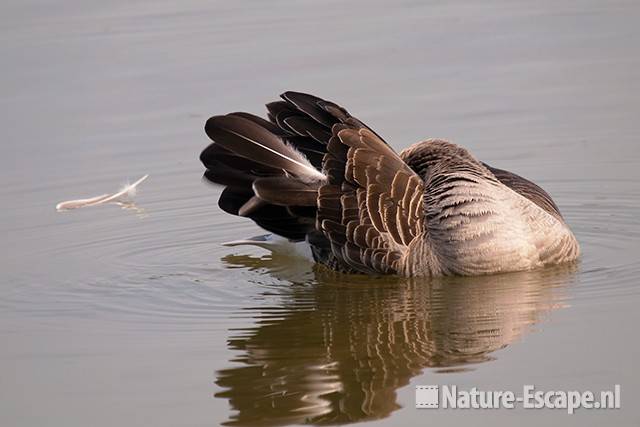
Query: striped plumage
{"points": [[315, 173]]}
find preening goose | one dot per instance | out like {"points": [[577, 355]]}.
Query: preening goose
{"points": [[313, 173]]}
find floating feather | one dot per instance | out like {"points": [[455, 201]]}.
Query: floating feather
{"points": [[127, 193]]}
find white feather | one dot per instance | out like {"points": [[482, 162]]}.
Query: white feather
{"points": [[127, 193], [314, 174], [300, 159]]}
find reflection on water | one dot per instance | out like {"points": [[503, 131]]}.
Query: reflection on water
{"points": [[132, 207], [338, 347], [106, 319]]}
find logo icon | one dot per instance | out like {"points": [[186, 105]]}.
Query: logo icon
{"points": [[427, 396]]}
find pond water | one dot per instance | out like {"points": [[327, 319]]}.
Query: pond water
{"points": [[113, 316]]}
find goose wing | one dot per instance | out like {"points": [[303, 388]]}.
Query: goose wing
{"points": [[371, 206], [527, 189]]}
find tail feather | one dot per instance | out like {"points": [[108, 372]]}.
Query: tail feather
{"points": [[223, 174], [311, 106], [279, 111], [276, 219], [248, 139], [286, 192], [215, 154], [269, 126], [272, 169], [251, 206]]}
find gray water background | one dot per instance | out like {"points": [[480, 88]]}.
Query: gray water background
{"points": [[124, 317]]}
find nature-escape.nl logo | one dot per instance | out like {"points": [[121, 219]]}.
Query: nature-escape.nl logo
{"points": [[450, 397]]}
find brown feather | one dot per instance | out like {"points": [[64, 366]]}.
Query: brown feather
{"points": [[251, 206], [375, 206], [248, 139], [286, 191], [528, 189]]}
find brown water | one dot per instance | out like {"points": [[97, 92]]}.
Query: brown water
{"points": [[123, 317]]}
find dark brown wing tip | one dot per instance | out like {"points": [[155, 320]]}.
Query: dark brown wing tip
{"points": [[210, 123], [291, 95], [217, 123]]}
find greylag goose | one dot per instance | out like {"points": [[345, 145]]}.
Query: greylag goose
{"points": [[313, 173]]}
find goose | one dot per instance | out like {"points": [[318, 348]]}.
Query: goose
{"points": [[315, 175]]}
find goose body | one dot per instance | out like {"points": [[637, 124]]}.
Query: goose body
{"points": [[313, 173]]}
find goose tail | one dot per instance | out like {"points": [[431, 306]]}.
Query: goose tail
{"points": [[267, 178]]}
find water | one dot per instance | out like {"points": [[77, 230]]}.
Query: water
{"points": [[125, 317]]}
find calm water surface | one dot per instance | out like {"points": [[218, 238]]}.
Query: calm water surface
{"points": [[140, 317]]}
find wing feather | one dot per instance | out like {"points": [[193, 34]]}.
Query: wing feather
{"points": [[376, 191], [528, 189]]}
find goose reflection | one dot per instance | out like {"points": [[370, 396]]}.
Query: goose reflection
{"points": [[338, 347]]}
